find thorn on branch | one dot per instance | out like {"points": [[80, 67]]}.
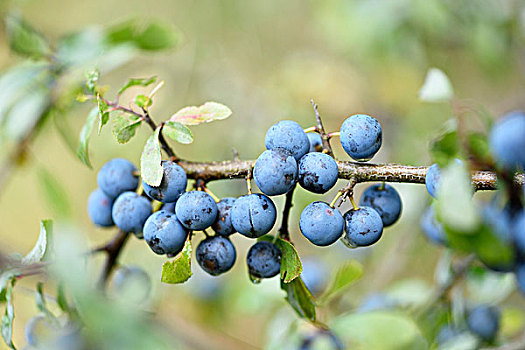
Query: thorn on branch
{"points": [[320, 129]]}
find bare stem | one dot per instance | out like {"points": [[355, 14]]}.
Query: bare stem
{"points": [[113, 249], [322, 132], [284, 233]]}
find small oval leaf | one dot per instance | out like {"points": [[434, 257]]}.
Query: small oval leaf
{"points": [[150, 161], [82, 150], [177, 132], [178, 270], [206, 113]]}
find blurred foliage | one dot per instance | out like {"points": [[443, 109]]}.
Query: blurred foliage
{"points": [[264, 60]]}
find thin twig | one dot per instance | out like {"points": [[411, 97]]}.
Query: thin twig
{"points": [[165, 146], [320, 129], [113, 249], [284, 233]]}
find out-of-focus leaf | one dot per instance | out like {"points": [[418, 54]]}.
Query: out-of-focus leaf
{"points": [[41, 305], [455, 207], [42, 248], [124, 129], [479, 146], [26, 114], [178, 270], [206, 113], [346, 274], [437, 87], [291, 266], [464, 340], [137, 82], [300, 298], [150, 161], [487, 287], [157, 36], [177, 132], [82, 150], [62, 299], [8, 317], [24, 39], [445, 148], [379, 330], [410, 293], [18, 81], [64, 129], [54, 193], [92, 80]]}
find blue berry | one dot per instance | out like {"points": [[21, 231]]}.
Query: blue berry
{"points": [[363, 227], [432, 228], [520, 277], [216, 255], [361, 137], [130, 212], [253, 215], [507, 141], [321, 339], [173, 184], [483, 321], [39, 331], [317, 172], [164, 233], [288, 135], [275, 172], [264, 260], [315, 275], [196, 210], [432, 179], [116, 177], [223, 224], [316, 142], [99, 208], [498, 220], [321, 224], [385, 200]]}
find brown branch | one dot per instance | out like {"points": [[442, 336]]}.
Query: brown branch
{"points": [[284, 233], [165, 146], [361, 172], [320, 129], [113, 249]]}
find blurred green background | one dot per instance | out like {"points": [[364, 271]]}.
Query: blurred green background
{"points": [[266, 60]]}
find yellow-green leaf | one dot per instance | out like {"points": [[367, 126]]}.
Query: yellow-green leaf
{"points": [[346, 274], [82, 150], [150, 161], [178, 270], [206, 113]]}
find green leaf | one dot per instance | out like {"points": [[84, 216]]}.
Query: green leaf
{"points": [[436, 88], [41, 305], [479, 146], [24, 39], [54, 193], [143, 101], [300, 298], [137, 82], [177, 132], [42, 248], [82, 150], [379, 330], [124, 129], [178, 270], [455, 206], [206, 113], [25, 115], [291, 266], [9, 316], [512, 321], [62, 299], [150, 161], [157, 36], [445, 148], [346, 274], [103, 113], [92, 80]]}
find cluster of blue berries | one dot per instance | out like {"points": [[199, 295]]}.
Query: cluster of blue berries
{"points": [[292, 156], [504, 217]]}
